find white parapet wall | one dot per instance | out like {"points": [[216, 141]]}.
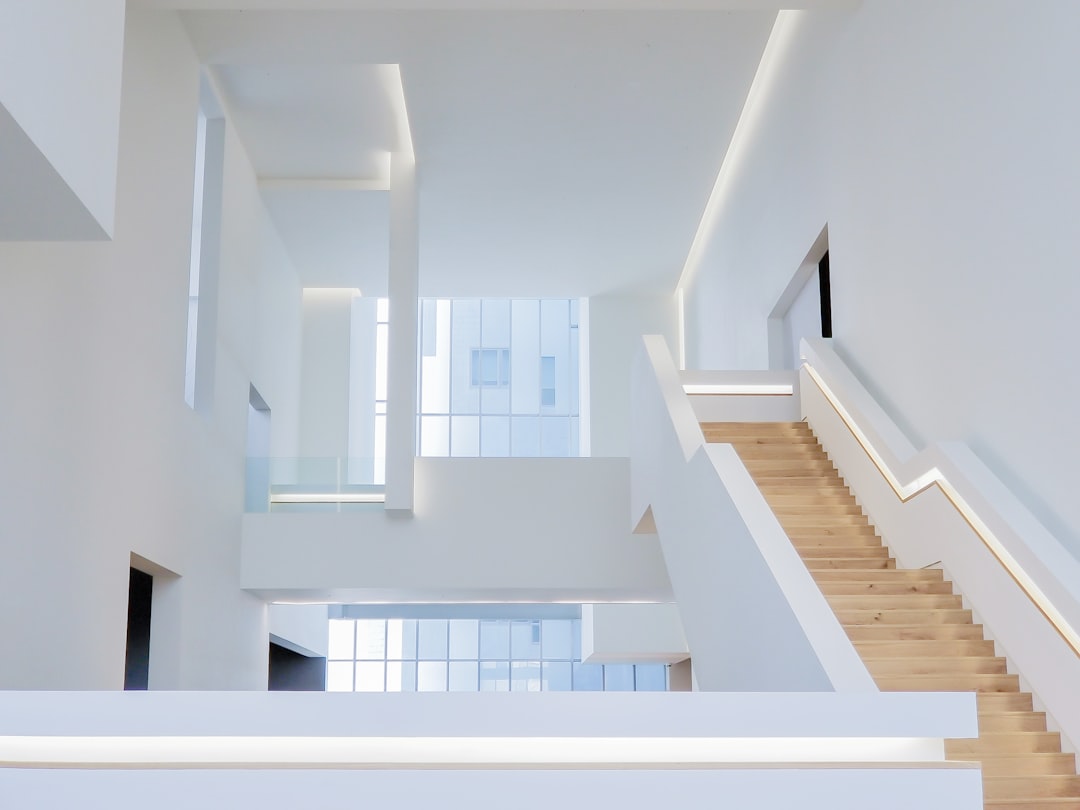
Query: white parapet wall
{"points": [[483, 530], [631, 634], [942, 506], [743, 396], [60, 118], [219, 750]]}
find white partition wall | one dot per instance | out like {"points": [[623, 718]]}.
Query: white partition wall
{"points": [[950, 224]]}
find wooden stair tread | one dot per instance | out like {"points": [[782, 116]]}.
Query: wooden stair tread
{"points": [[1013, 764], [1036, 786], [1036, 742], [936, 665], [915, 648], [885, 588]]}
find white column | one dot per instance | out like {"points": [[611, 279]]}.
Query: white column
{"points": [[404, 292]]}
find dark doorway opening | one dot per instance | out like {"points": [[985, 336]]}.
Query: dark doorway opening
{"points": [[825, 289], [137, 658], [292, 672]]}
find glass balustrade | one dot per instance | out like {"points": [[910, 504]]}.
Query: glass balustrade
{"points": [[313, 484]]}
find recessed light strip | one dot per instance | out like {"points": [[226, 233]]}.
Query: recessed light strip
{"points": [[934, 477], [740, 389], [462, 752], [328, 497]]}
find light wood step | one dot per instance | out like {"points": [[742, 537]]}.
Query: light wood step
{"points": [[907, 601], [960, 665], [814, 552], [1037, 787], [921, 632], [763, 427], [901, 616], [1012, 721], [849, 541], [787, 450], [811, 532], [824, 521], [1032, 804], [884, 588], [1026, 764], [824, 510], [877, 650], [949, 683], [895, 575], [786, 499], [797, 466], [795, 486], [1002, 702], [860, 564], [1035, 742]]}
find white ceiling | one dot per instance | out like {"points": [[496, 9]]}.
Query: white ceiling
{"points": [[559, 153]]}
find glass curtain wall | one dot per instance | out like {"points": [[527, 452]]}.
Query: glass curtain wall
{"points": [[473, 655], [498, 377]]}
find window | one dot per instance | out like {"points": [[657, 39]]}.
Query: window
{"points": [[499, 377], [473, 655], [205, 250], [547, 382], [491, 367]]}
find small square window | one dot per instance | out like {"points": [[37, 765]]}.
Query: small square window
{"points": [[490, 368]]}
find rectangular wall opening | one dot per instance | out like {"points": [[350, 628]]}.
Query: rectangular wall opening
{"points": [[137, 657], [291, 671]]}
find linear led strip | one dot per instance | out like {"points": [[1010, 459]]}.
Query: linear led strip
{"points": [[740, 389], [328, 497], [463, 752], [934, 477]]}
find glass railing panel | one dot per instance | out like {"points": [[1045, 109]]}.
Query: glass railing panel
{"points": [[312, 484]]}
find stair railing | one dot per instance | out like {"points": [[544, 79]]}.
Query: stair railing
{"points": [[944, 505], [754, 618]]}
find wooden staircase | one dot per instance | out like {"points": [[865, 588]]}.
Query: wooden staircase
{"points": [[911, 630]]}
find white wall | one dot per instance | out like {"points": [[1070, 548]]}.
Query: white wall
{"points": [[101, 455], [60, 63], [324, 393], [484, 529], [616, 324], [937, 144], [630, 634], [803, 319]]}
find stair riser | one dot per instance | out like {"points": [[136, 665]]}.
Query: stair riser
{"points": [[1019, 721], [878, 650], [1024, 787], [922, 617], [935, 666], [1028, 764], [907, 601], [948, 683], [885, 588]]}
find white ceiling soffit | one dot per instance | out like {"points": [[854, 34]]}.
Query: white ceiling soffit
{"points": [[312, 121], [336, 238], [559, 153]]}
